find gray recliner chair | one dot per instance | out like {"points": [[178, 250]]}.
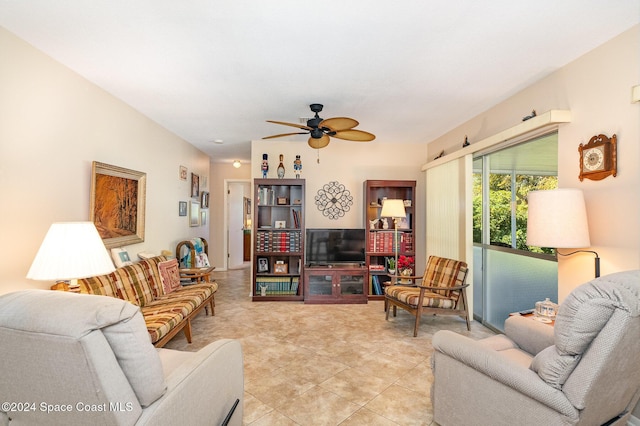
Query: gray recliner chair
{"points": [[584, 370], [79, 359]]}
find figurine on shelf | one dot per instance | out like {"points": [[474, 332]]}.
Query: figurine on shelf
{"points": [[466, 142], [297, 166], [265, 166], [281, 167], [529, 117], [385, 223]]}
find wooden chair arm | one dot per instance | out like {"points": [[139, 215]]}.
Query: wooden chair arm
{"points": [[457, 287]]}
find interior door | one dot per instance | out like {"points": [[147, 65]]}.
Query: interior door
{"points": [[235, 200]]}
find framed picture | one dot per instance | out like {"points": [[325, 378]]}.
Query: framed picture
{"points": [[120, 257], [280, 268], [203, 217], [183, 173], [195, 185], [204, 199], [263, 264], [194, 213], [182, 208], [117, 204], [281, 201], [280, 224]]}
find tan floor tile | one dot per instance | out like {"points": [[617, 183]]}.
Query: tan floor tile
{"points": [[324, 364], [319, 407]]}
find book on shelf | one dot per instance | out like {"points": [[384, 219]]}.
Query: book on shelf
{"points": [[278, 286]]}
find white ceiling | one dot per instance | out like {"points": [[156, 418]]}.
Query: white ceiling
{"points": [[407, 70]]}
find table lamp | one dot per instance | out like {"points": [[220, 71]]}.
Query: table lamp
{"points": [[69, 251], [394, 209], [557, 218]]}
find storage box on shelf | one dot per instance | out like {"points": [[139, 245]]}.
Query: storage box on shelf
{"points": [[380, 241], [278, 228]]}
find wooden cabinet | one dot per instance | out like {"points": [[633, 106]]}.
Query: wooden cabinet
{"points": [[380, 241], [278, 230], [335, 285]]}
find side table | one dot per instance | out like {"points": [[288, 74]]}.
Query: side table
{"points": [[196, 275]]}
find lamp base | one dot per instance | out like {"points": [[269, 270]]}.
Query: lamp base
{"points": [[60, 286]]}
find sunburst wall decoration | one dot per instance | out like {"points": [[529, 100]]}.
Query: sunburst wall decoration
{"points": [[334, 200]]}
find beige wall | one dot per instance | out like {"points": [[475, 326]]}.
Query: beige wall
{"points": [[53, 124], [349, 163], [597, 89]]}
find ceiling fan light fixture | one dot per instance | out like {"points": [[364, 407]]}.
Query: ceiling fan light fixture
{"points": [[237, 164]]}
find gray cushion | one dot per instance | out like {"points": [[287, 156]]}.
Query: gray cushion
{"points": [[581, 317], [76, 315]]}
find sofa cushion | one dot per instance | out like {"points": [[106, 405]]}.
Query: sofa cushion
{"points": [[153, 274], [76, 315], [133, 282], [102, 285], [170, 275]]}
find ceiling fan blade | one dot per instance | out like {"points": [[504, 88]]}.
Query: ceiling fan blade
{"points": [[285, 134], [299, 126], [337, 124], [319, 143], [355, 135]]}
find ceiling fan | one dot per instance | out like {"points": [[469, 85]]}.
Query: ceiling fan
{"points": [[320, 130]]}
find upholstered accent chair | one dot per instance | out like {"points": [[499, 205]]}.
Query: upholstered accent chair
{"points": [[443, 292], [80, 359], [583, 370]]}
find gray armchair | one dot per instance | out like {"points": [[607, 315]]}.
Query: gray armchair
{"points": [[584, 370], [78, 359]]}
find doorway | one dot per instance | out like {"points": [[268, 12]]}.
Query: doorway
{"points": [[237, 222]]}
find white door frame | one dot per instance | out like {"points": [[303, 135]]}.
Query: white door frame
{"points": [[226, 218]]}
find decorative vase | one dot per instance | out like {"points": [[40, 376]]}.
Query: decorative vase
{"points": [[392, 271], [407, 272], [281, 167]]}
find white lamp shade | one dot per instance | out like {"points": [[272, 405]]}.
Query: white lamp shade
{"points": [[393, 208], [71, 250], [557, 219]]}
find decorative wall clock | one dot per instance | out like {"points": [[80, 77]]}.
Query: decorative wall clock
{"points": [[334, 200], [598, 158]]}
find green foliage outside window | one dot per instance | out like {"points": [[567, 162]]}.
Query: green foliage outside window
{"points": [[500, 208]]}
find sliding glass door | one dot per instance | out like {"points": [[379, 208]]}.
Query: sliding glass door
{"points": [[510, 276]]}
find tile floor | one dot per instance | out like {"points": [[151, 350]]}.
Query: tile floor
{"points": [[325, 364]]}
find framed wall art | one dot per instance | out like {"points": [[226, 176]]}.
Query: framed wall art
{"points": [[117, 204], [194, 213], [204, 199], [182, 208], [183, 173], [195, 185]]}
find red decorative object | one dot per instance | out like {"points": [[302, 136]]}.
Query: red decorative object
{"points": [[405, 262]]}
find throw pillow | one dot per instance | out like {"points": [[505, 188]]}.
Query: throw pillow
{"points": [[170, 275]]}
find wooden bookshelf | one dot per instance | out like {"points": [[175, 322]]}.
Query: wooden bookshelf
{"points": [[380, 242], [278, 230]]}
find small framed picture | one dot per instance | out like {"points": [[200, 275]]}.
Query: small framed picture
{"points": [[194, 213], [281, 201], [182, 208], [204, 199], [121, 257], [195, 185], [281, 224], [263, 264], [203, 217], [280, 268], [183, 173]]}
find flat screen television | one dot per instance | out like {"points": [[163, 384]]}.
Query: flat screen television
{"points": [[334, 246]]}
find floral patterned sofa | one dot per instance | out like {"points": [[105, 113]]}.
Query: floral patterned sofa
{"points": [[154, 286]]}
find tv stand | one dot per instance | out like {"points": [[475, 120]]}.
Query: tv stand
{"points": [[336, 283]]}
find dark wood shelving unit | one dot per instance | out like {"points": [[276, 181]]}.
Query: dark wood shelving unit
{"points": [[380, 241], [278, 230]]}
